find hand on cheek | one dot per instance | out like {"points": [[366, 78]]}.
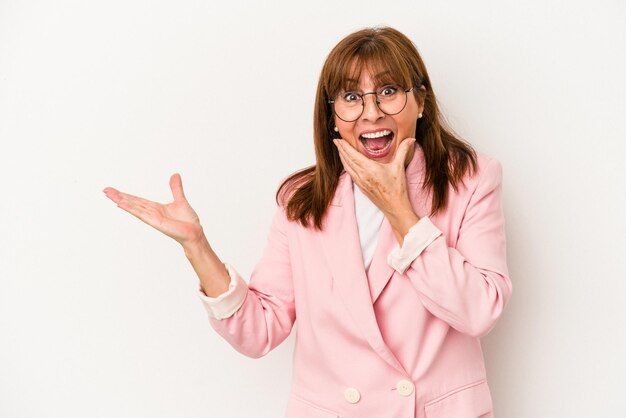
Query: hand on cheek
{"points": [[383, 184]]}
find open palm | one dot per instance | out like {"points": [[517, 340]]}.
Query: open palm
{"points": [[177, 219]]}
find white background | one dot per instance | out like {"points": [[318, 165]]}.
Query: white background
{"points": [[99, 315]]}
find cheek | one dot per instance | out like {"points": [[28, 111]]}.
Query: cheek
{"points": [[407, 123], [408, 117], [347, 133], [352, 141]]}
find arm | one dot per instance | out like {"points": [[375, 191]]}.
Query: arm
{"points": [[255, 319], [468, 285], [259, 316], [213, 275]]}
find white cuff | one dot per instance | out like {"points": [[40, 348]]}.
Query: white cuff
{"points": [[415, 241], [227, 303]]}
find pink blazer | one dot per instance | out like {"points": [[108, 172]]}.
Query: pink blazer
{"points": [[379, 343]]}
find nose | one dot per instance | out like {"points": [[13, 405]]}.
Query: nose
{"points": [[371, 112]]}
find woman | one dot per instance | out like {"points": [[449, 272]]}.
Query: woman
{"points": [[390, 251]]}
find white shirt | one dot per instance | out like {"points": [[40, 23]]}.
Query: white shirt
{"points": [[369, 219]]}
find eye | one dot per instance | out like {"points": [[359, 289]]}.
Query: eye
{"points": [[388, 91], [350, 97]]}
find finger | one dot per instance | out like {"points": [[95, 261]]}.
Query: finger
{"points": [[347, 163], [356, 178], [111, 193], [366, 169], [132, 198], [403, 150], [350, 169], [137, 211], [138, 207], [134, 202], [353, 155], [115, 195], [150, 214], [176, 184]]}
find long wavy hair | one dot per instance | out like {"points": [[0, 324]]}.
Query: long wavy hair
{"points": [[307, 193]]}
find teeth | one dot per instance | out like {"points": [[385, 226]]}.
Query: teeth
{"points": [[376, 134]]}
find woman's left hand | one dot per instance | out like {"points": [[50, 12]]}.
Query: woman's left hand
{"points": [[383, 184]]}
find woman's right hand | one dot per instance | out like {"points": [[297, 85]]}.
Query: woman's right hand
{"points": [[177, 219]]}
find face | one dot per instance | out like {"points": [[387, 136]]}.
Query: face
{"points": [[374, 121]]}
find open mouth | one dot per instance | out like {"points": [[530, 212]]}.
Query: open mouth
{"points": [[378, 142]]}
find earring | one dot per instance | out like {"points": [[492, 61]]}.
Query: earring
{"points": [[336, 129], [419, 116]]}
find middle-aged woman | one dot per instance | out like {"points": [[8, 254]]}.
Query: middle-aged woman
{"points": [[390, 251]]}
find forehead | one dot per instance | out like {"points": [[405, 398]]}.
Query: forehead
{"points": [[371, 78], [369, 73], [374, 71]]}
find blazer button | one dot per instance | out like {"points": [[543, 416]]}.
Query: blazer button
{"points": [[405, 387], [352, 395]]}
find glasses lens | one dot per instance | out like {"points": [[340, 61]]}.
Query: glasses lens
{"points": [[391, 99], [348, 106]]}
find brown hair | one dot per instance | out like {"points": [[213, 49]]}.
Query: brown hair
{"points": [[307, 193]]}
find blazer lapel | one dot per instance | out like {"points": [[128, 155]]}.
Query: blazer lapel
{"points": [[342, 248], [380, 271]]}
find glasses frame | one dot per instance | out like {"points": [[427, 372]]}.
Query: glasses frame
{"points": [[362, 97]]}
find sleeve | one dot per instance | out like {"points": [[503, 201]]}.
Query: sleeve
{"points": [[227, 303], [267, 313], [468, 285], [415, 241]]}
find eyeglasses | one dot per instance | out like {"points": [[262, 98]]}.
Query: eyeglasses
{"points": [[349, 105]]}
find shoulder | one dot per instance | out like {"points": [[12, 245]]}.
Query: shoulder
{"points": [[480, 189], [485, 180], [490, 168], [488, 172], [486, 177]]}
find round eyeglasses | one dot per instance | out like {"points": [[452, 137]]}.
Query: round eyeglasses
{"points": [[349, 105]]}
